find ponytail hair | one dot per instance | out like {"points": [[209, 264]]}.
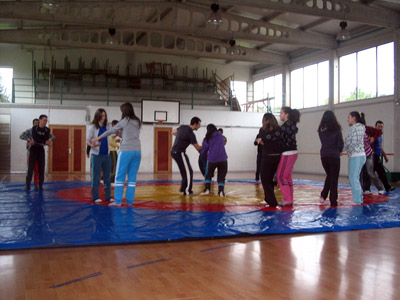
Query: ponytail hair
{"points": [[362, 118], [294, 116], [356, 115]]}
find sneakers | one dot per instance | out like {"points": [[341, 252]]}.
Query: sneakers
{"points": [[190, 193], [221, 194], [285, 204], [321, 200], [206, 192], [114, 204], [381, 192], [367, 192], [391, 189], [110, 200], [97, 200]]}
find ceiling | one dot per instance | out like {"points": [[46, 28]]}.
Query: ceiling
{"points": [[266, 32]]}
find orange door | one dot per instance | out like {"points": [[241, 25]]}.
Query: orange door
{"points": [[162, 150], [67, 154]]}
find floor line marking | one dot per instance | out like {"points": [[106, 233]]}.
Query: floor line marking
{"points": [[76, 280], [148, 263]]}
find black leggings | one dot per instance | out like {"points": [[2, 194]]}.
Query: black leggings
{"points": [[186, 171], [332, 167], [222, 168], [36, 153], [269, 165]]}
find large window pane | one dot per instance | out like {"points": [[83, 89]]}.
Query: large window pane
{"points": [[348, 77], [296, 88], [269, 91], [323, 83], [258, 90], [278, 94], [386, 69], [366, 71], [6, 75], [240, 91], [310, 86]]}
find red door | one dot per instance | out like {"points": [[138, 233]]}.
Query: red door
{"points": [[162, 150], [60, 151], [67, 153]]}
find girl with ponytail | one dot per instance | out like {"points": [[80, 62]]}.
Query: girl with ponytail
{"points": [[288, 132], [354, 145]]}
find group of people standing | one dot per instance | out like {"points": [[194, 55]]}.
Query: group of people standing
{"points": [[212, 156], [129, 155], [279, 154], [363, 145], [277, 145]]}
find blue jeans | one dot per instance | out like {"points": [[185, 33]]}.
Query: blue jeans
{"points": [[128, 163], [101, 163], [355, 165]]}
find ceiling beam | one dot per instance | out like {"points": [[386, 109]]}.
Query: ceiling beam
{"points": [[182, 45], [184, 19], [314, 24], [340, 9]]}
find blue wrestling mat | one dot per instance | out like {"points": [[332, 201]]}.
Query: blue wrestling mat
{"points": [[63, 215]]}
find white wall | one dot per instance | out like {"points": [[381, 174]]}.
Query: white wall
{"points": [[239, 136], [239, 128]]}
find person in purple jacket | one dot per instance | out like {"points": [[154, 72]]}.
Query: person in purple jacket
{"points": [[330, 134], [214, 147]]}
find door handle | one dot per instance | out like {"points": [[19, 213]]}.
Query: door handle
{"points": [[69, 151]]}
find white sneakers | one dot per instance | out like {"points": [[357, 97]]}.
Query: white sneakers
{"points": [[97, 200], [381, 192], [321, 200], [206, 192]]}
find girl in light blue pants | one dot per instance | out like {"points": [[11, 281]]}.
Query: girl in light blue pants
{"points": [[355, 165], [129, 156], [128, 163], [354, 145]]}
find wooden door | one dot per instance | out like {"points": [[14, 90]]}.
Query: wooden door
{"points": [[162, 150], [67, 154]]}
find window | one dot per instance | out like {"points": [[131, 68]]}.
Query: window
{"points": [[309, 86], [6, 75], [367, 74], [239, 89], [270, 90]]}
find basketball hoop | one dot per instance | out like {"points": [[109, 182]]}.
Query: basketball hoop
{"points": [[160, 122]]}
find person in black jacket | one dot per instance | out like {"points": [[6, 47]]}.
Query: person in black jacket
{"points": [[269, 139], [40, 138], [288, 132], [330, 134]]}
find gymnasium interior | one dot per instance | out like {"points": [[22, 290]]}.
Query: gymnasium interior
{"points": [[228, 63]]}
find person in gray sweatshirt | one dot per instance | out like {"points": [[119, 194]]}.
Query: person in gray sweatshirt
{"points": [[354, 145], [129, 156]]}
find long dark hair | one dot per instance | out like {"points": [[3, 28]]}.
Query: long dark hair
{"points": [[355, 114], [294, 114], [329, 122], [97, 118], [362, 119], [269, 122], [210, 130], [128, 112]]}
